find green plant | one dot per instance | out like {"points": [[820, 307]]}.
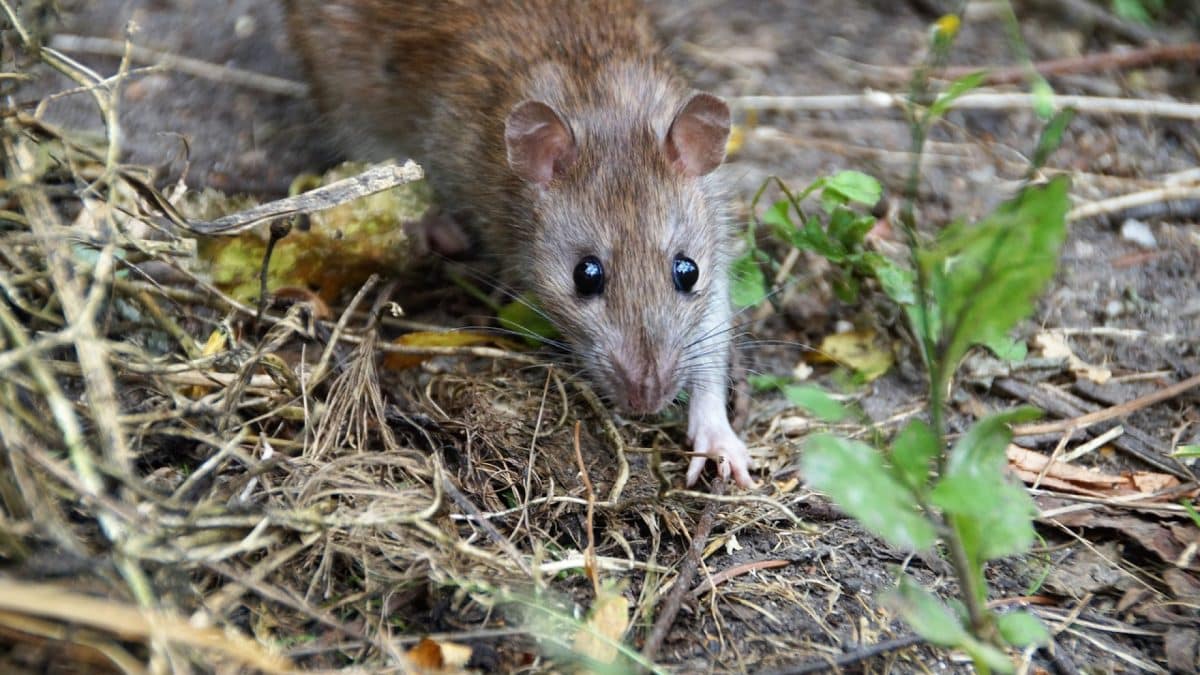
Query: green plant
{"points": [[969, 285], [1141, 11]]}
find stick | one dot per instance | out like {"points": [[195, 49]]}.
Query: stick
{"points": [[854, 657], [81, 44], [1084, 421], [684, 579], [376, 179], [978, 101]]}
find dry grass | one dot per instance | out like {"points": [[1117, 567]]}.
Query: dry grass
{"points": [[189, 484]]}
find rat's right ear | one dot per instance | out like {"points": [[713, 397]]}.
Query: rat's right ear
{"points": [[695, 143], [539, 143]]}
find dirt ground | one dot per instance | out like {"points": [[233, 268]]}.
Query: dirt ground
{"points": [[1116, 580]]}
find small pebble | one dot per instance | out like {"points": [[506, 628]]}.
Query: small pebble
{"points": [[1139, 233], [244, 26]]}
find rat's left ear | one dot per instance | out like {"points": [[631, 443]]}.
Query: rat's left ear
{"points": [[695, 143], [539, 143]]}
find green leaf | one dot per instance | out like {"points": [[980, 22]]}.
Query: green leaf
{"points": [[845, 287], [1051, 137], [853, 474], [1008, 349], [928, 616], [1136, 10], [849, 229], [932, 620], [855, 186], [749, 286], [992, 516], [1186, 452], [831, 200], [813, 237], [780, 221], [764, 382], [985, 278], [778, 214], [523, 317], [1021, 629], [897, 282], [915, 446], [1191, 511], [981, 451], [956, 89], [816, 401], [989, 656], [1043, 97]]}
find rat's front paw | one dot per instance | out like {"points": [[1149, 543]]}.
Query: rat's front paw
{"points": [[719, 442]]}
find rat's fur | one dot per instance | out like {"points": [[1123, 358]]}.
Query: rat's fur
{"points": [[625, 175]]}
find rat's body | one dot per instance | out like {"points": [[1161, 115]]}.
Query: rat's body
{"points": [[560, 129]]}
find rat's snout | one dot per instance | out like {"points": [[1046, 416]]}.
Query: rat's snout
{"points": [[644, 385]]}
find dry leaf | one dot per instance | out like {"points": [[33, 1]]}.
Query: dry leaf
{"points": [[426, 655], [433, 656], [458, 338], [599, 637], [1029, 465], [1053, 345], [858, 350], [216, 343], [129, 622], [296, 294]]}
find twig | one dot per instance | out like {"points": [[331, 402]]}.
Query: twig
{"points": [[375, 179], [1097, 105], [614, 439], [476, 517], [590, 554], [1087, 63], [1133, 200], [684, 579], [1133, 441], [855, 657], [1085, 13], [1084, 421], [82, 44], [737, 570]]}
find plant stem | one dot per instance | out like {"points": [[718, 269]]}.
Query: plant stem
{"points": [[933, 347]]}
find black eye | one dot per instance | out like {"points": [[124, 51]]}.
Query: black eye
{"points": [[684, 272], [589, 276]]}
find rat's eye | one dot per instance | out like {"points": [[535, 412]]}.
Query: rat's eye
{"points": [[589, 276], [683, 271]]}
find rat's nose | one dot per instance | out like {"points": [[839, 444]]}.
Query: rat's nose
{"points": [[643, 386]]}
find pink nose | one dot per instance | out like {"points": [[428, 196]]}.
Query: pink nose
{"points": [[641, 387]]}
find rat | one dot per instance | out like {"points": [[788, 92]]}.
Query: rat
{"points": [[561, 131]]}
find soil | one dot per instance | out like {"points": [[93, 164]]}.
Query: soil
{"points": [[1133, 308]]}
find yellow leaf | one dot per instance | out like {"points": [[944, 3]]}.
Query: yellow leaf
{"points": [[599, 637], [737, 138], [859, 351], [216, 342], [458, 338], [433, 656]]}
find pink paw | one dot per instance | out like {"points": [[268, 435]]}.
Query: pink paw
{"points": [[439, 233], [719, 442]]}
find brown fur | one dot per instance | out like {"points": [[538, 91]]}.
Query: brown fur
{"points": [[437, 80]]}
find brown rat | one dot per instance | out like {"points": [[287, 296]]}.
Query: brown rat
{"points": [[561, 129]]}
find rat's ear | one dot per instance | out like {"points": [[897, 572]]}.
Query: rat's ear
{"points": [[695, 143], [540, 145]]}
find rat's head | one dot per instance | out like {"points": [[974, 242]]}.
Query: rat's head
{"points": [[626, 248]]}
